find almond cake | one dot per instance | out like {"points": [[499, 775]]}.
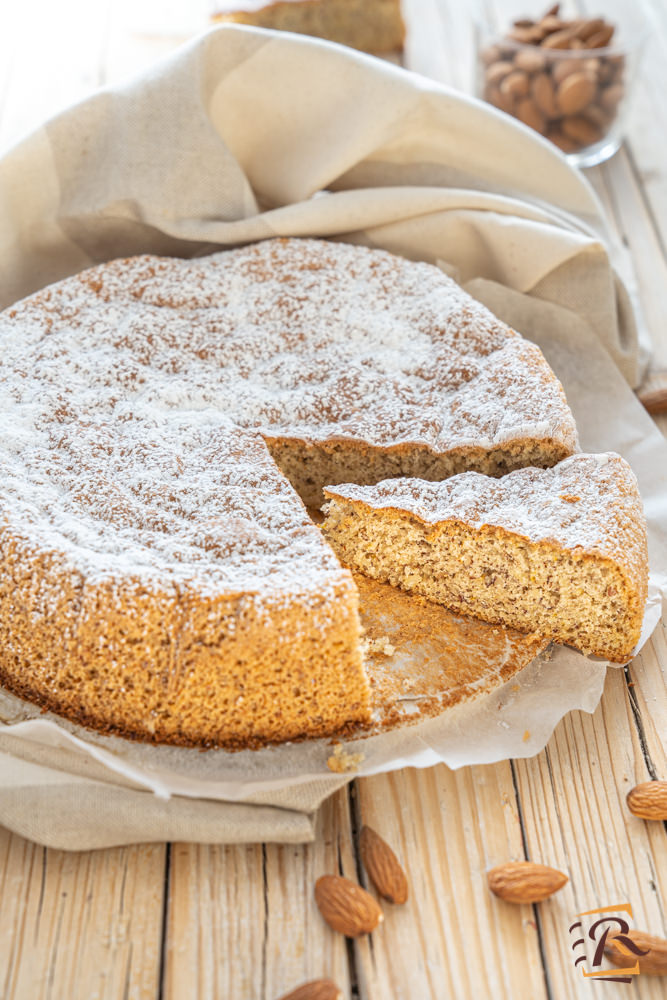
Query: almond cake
{"points": [[165, 421]]}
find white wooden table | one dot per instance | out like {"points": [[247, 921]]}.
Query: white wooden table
{"points": [[206, 922]]}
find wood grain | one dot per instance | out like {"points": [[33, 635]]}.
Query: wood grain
{"points": [[242, 921], [573, 807], [79, 926], [452, 938]]}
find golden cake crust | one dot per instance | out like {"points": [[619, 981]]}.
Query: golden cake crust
{"points": [[161, 577]]}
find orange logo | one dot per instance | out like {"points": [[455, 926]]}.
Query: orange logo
{"points": [[598, 932]]}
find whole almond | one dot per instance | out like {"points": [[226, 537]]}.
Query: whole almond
{"points": [[559, 40], [382, 865], [499, 100], [598, 116], [544, 95], [315, 989], [347, 907], [649, 800], [516, 84], [581, 129], [575, 92], [525, 881], [497, 71], [564, 67], [527, 36], [653, 964], [551, 23], [589, 27], [528, 112], [529, 60], [601, 38]]}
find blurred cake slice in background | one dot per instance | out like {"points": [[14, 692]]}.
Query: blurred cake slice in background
{"points": [[369, 25]]}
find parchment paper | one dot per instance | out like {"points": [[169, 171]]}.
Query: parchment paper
{"points": [[244, 135]]}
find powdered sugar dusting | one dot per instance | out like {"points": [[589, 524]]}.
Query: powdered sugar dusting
{"points": [[134, 398]]}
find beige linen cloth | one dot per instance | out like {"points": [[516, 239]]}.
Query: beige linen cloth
{"points": [[242, 135]]}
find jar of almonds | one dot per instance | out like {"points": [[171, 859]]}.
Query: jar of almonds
{"points": [[566, 76]]}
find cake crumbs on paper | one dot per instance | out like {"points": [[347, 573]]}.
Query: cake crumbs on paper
{"points": [[382, 645], [342, 762], [526, 735]]}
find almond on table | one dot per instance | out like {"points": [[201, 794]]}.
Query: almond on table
{"points": [[525, 881], [648, 800], [382, 865], [346, 907]]}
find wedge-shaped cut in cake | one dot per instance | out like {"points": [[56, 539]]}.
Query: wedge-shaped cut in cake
{"points": [[561, 552]]}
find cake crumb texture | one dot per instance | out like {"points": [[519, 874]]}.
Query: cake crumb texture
{"points": [[560, 552]]}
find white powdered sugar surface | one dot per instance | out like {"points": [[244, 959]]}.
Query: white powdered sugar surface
{"points": [[134, 399]]}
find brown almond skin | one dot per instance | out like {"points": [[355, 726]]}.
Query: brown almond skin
{"points": [[529, 60], [581, 129], [346, 907], [525, 881], [544, 95], [648, 800], [589, 27], [653, 964], [499, 100], [559, 39], [498, 71], [382, 865], [528, 112], [314, 989], [516, 84], [601, 38], [564, 67], [575, 93]]}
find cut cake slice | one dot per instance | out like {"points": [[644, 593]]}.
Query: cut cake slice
{"points": [[561, 552]]}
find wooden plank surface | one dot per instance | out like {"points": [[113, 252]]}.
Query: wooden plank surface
{"points": [[205, 922], [242, 921], [80, 925]]}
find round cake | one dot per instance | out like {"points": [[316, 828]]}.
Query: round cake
{"points": [[164, 423]]}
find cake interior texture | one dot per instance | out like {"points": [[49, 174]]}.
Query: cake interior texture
{"points": [[478, 548], [311, 466], [369, 25]]}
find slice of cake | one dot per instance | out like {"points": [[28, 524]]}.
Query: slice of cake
{"points": [[370, 25], [561, 552]]}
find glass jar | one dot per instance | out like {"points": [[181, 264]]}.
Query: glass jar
{"points": [[568, 77]]}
